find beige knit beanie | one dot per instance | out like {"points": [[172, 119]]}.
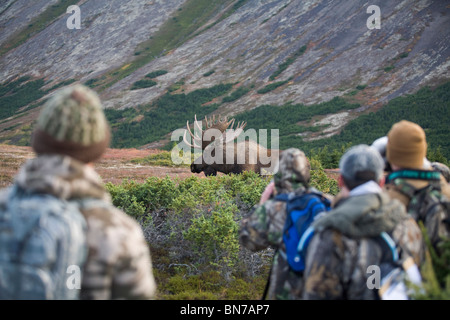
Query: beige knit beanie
{"points": [[407, 145], [72, 123]]}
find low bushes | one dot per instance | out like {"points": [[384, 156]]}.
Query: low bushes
{"points": [[192, 227], [145, 83]]}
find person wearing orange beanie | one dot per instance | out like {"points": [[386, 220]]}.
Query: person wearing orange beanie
{"points": [[406, 146], [413, 176]]}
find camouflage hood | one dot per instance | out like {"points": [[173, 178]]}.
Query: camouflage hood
{"points": [[61, 176], [292, 172]]}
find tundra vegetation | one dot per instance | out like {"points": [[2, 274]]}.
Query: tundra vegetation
{"points": [[272, 86], [192, 227]]}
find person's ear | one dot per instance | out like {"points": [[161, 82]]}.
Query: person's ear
{"points": [[382, 181], [341, 182]]}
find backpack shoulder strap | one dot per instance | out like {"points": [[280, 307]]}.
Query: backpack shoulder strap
{"points": [[390, 245], [282, 197], [302, 200], [305, 240], [297, 201], [423, 201], [415, 174], [393, 273], [404, 187]]}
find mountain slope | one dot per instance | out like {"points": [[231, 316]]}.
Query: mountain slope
{"points": [[314, 50]]}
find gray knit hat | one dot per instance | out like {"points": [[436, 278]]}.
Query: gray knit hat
{"points": [[73, 123], [360, 164]]}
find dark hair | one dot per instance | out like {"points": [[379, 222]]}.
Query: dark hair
{"points": [[360, 178]]}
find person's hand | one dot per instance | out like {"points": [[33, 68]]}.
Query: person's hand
{"points": [[267, 193]]}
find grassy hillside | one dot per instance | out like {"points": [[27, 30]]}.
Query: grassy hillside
{"points": [[145, 124], [36, 25], [187, 22], [139, 126], [430, 108]]}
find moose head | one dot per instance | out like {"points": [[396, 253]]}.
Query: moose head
{"points": [[220, 151]]}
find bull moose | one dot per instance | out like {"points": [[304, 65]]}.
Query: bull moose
{"points": [[223, 151]]}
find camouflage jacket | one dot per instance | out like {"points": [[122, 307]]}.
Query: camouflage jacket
{"points": [[345, 245], [434, 222], [263, 228], [119, 263]]}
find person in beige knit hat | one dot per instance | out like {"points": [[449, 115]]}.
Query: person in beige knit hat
{"points": [[412, 174], [72, 123], [72, 132]]}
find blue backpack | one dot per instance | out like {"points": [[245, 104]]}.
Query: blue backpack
{"points": [[301, 210], [42, 238]]}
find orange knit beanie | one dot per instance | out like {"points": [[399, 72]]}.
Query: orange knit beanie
{"points": [[407, 145]]}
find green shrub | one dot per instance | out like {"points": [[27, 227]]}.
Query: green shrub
{"points": [[210, 72], [62, 84], [213, 234], [235, 95], [389, 68], [161, 117], [352, 93], [145, 83], [176, 86], [92, 83], [156, 74], [435, 155], [240, 289], [320, 180], [272, 86], [17, 94], [361, 86], [430, 108], [435, 271]]}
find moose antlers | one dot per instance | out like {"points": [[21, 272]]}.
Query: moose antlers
{"points": [[211, 123]]}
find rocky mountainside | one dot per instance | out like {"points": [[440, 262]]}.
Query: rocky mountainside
{"points": [[314, 50]]}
